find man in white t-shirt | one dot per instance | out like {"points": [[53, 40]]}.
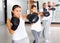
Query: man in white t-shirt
{"points": [[46, 23]]}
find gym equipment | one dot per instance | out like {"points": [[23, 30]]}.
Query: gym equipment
{"points": [[45, 12], [33, 18], [49, 6], [15, 22], [53, 9], [57, 5]]}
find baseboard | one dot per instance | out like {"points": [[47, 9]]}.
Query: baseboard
{"points": [[41, 23]]}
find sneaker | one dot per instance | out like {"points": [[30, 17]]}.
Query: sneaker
{"points": [[34, 41], [46, 41]]}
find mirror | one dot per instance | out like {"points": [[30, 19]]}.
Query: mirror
{"points": [[38, 3], [56, 13]]}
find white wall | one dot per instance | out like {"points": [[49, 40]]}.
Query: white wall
{"points": [[22, 3], [1, 12]]}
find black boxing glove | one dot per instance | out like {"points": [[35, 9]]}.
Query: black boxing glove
{"points": [[15, 22], [46, 14], [33, 18]]}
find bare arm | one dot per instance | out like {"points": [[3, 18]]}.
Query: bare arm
{"points": [[24, 16], [9, 26], [40, 14]]}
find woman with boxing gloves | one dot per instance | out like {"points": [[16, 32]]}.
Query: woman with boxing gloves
{"points": [[52, 10], [16, 26], [35, 21], [46, 20]]}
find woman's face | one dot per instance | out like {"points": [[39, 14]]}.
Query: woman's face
{"points": [[17, 12], [49, 3], [44, 6], [34, 9]]}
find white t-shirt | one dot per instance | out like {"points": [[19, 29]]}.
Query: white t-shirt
{"points": [[20, 32], [36, 26], [46, 18], [52, 14]]}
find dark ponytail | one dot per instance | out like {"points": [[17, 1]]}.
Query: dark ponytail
{"points": [[12, 14]]}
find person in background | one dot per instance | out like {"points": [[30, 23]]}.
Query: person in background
{"points": [[52, 11], [46, 20], [36, 27]]}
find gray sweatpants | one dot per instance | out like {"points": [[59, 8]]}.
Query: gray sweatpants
{"points": [[36, 36], [25, 40], [46, 28]]}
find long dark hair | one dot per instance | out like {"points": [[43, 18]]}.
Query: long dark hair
{"points": [[15, 6]]}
